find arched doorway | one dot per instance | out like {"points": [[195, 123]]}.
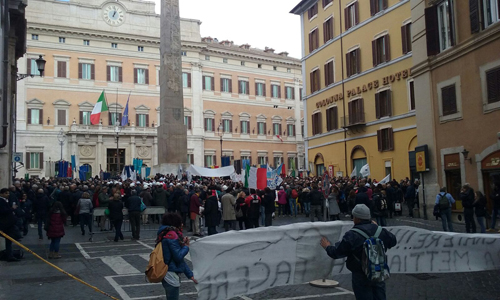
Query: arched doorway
{"points": [[319, 163], [358, 158], [490, 166]]}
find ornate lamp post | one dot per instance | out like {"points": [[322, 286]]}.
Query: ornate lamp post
{"points": [[40, 64], [117, 131], [61, 137], [220, 130]]}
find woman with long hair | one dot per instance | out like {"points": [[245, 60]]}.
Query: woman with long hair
{"points": [[241, 210], [55, 228]]}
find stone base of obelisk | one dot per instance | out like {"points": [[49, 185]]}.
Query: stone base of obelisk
{"points": [[324, 283], [167, 169]]}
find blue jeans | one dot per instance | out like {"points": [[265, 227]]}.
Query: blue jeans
{"points": [[481, 222], [117, 224], [293, 206], [86, 219], [495, 214], [262, 215], [446, 218], [365, 289], [54, 244], [307, 207], [171, 292]]}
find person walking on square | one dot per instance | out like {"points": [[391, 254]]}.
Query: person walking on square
{"points": [[115, 207], [467, 197], [317, 202], [480, 210], [41, 207], [228, 214], [84, 209], [445, 201], [351, 246], [133, 205], [55, 228]]}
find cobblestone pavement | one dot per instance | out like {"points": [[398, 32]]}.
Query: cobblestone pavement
{"points": [[116, 268]]}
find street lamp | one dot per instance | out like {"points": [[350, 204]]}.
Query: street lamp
{"points": [[61, 137], [221, 133], [40, 64], [117, 131]]}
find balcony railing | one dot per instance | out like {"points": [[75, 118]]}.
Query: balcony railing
{"points": [[353, 120]]}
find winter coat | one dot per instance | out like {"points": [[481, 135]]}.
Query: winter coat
{"points": [[495, 198], [333, 206], [304, 197], [160, 197], [362, 197], [240, 203], [41, 205], [7, 217], [282, 197], [85, 206], [147, 198], [228, 201], [480, 207], [467, 198], [376, 208], [56, 225], [316, 197], [103, 200], [133, 204], [268, 202], [115, 208], [211, 212], [174, 252], [185, 203], [195, 204]]}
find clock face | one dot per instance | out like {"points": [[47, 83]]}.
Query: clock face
{"points": [[113, 14]]}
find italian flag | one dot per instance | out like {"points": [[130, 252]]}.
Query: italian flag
{"points": [[99, 107], [255, 178]]}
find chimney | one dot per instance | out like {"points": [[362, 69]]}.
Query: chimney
{"points": [[245, 46], [284, 53], [269, 50]]}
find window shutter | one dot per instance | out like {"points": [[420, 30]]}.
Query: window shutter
{"points": [[213, 83], [92, 71], [29, 115], [316, 38], [61, 117], [325, 35], [147, 120], [311, 47], [293, 93], [372, 7], [147, 76], [384, 2], [346, 19], [248, 87], [311, 75], [231, 126], [327, 79], [241, 127], [108, 73], [280, 129], [328, 119], [387, 48], [264, 89], [189, 123], [389, 103], [28, 66], [109, 119], [40, 158], [256, 88], [293, 134], [265, 128], [120, 74], [404, 39], [136, 120], [239, 86], [40, 115], [221, 84], [377, 105], [205, 122], [449, 100], [493, 85], [451, 15], [28, 164], [351, 111], [335, 118], [379, 140], [189, 79], [279, 91], [213, 124], [81, 117], [374, 53], [358, 59], [475, 25], [348, 64], [230, 85], [80, 71], [432, 30], [391, 139], [63, 69], [356, 13], [135, 75]]}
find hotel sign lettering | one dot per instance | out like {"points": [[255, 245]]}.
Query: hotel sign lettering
{"points": [[492, 161], [329, 100], [376, 83]]}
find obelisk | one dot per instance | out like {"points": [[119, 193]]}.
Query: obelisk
{"points": [[172, 134]]}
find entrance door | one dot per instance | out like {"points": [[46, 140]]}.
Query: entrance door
{"points": [[358, 164], [112, 161], [453, 185], [490, 178], [320, 169]]}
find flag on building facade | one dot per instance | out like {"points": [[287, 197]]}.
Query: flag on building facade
{"points": [[99, 107], [256, 178], [365, 171], [125, 114]]}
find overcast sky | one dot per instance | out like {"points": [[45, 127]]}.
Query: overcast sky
{"points": [[259, 23]]}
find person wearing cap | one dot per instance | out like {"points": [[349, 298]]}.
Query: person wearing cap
{"points": [[351, 246]]}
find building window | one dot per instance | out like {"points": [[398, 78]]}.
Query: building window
{"points": [[183, 53], [491, 12], [261, 128], [381, 50], [186, 80], [260, 89], [290, 129], [61, 69], [315, 81], [32, 67], [62, 40], [356, 112], [332, 119], [313, 11], [316, 123], [86, 71], [61, 117], [34, 37], [411, 94], [329, 72], [209, 124], [276, 129], [449, 100], [115, 118], [259, 66], [385, 139], [210, 160], [243, 87], [227, 126], [328, 30], [313, 40], [224, 60], [85, 117], [262, 160], [114, 45], [187, 122], [35, 116], [140, 48], [275, 91], [493, 85], [114, 73], [406, 38], [142, 120], [207, 57], [351, 15], [275, 68], [34, 160], [377, 6], [190, 159], [141, 76], [226, 85], [300, 94], [383, 104], [288, 70], [289, 93], [208, 83], [326, 3], [440, 27], [277, 161], [245, 125], [242, 63], [86, 42], [353, 62]]}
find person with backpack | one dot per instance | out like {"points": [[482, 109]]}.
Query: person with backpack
{"points": [[368, 263], [174, 248], [241, 211], [253, 202], [380, 206], [444, 201]]}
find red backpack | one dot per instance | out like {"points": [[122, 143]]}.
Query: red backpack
{"points": [[295, 195]]}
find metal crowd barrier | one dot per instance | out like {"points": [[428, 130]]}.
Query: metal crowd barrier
{"points": [[151, 214]]}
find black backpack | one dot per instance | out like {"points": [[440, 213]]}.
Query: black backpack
{"points": [[443, 202]]}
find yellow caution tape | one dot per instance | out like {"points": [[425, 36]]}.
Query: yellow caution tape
{"points": [[56, 267]]}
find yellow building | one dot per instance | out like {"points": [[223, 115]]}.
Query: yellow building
{"points": [[360, 105]]}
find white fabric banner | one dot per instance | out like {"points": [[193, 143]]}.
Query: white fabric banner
{"points": [[220, 172], [353, 173], [365, 171], [246, 262], [252, 178], [386, 179]]}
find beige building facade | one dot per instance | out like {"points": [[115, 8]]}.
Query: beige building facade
{"points": [[247, 97]]}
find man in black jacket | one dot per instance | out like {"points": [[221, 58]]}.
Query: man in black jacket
{"points": [[317, 202], [467, 197], [351, 246], [133, 205], [8, 223]]}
